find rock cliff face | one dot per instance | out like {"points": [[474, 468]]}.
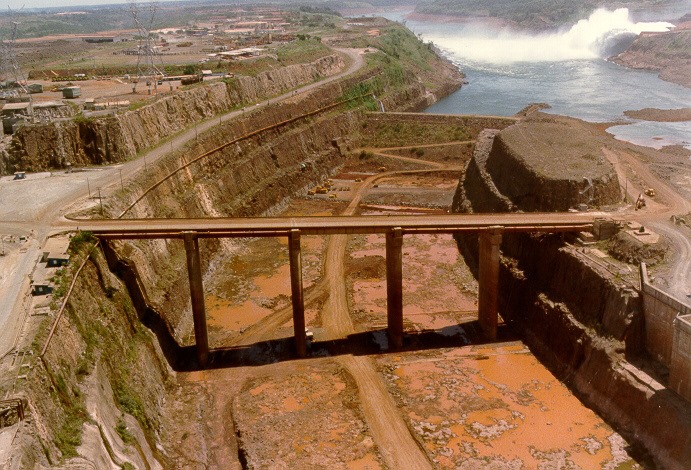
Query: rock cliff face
{"points": [[120, 137], [667, 53], [548, 164], [573, 315]]}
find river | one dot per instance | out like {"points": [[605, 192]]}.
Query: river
{"points": [[566, 69]]}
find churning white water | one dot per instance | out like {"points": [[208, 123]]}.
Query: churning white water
{"points": [[603, 34], [507, 70]]}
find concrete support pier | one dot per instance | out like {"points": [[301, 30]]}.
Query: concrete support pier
{"points": [[488, 314], [394, 286], [297, 293], [194, 272]]}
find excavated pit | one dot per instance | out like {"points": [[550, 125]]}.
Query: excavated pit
{"points": [[457, 397]]}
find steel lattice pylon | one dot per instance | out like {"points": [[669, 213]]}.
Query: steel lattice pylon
{"points": [[10, 72], [146, 68]]}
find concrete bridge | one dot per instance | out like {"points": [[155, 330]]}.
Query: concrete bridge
{"points": [[489, 228]]}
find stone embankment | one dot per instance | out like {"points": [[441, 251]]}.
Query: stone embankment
{"points": [[586, 325], [120, 137]]}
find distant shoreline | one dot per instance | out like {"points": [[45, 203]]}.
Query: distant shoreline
{"points": [[660, 115]]}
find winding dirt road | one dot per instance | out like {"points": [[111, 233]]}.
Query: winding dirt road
{"points": [[657, 212]]}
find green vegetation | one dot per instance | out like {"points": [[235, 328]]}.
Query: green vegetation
{"points": [[123, 432], [78, 241], [393, 134], [302, 51], [81, 119], [137, 105], [69, 435]]}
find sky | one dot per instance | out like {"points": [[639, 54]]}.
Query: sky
{"points": [[17, 4]]}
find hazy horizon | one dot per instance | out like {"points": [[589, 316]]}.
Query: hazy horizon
{"points": [[32, 4]]}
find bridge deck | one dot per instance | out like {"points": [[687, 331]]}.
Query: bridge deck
{"points": [[281, 226]]}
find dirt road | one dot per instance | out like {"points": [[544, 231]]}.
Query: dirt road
{"points": [[657, 212]]}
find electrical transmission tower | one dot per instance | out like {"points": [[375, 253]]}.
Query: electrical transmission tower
{"points": [[11, 75], [146, 53]]}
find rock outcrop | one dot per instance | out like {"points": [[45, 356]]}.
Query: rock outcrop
{"points": [[120, 137]]}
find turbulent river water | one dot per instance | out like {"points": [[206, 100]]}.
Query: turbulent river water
{"points": [[566, 69]]}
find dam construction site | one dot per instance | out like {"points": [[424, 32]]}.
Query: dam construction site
{"points": [[296, 268]]}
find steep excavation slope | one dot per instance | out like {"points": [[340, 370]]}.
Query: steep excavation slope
{"points": [[577, 314]]}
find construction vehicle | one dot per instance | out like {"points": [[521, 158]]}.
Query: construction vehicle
{"points": [[640, 202], [649, 192]]}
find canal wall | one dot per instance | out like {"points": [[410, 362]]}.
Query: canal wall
{"points": [[668, 333]]}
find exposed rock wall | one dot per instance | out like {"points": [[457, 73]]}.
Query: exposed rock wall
{"points": [[547, 164], [78, 387], [120, 137], [103, 337], [477, 192]]}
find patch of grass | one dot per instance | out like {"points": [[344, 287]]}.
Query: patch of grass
{"points": [[137, 105], [69, 435], [123, 432], [80, 239], [401, 133], [130, 403], [302, 51], [81, 119]]}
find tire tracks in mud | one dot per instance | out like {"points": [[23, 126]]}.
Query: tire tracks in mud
{"points": [[397, 445]]}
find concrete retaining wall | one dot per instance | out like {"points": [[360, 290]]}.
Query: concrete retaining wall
{"points": [[668, 333], [680, 369]]}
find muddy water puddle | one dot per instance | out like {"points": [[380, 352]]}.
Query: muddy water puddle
{"points": [[438, 289], [255, 281], [496, 406]]}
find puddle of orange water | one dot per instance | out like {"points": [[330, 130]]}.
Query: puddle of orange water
{"points": [[499, 403], [368, 462], [221, 314], [274, 285]]}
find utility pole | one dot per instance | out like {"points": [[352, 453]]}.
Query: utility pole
{"points": [[122, 186], [88, 188], [100, 200]]}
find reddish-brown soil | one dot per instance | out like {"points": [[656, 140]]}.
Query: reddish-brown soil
{"points": [[470, 405]]}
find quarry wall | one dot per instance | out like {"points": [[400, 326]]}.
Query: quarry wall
{"points": [[78, 390], [113, 358], [534, 190], [120, 137]]}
